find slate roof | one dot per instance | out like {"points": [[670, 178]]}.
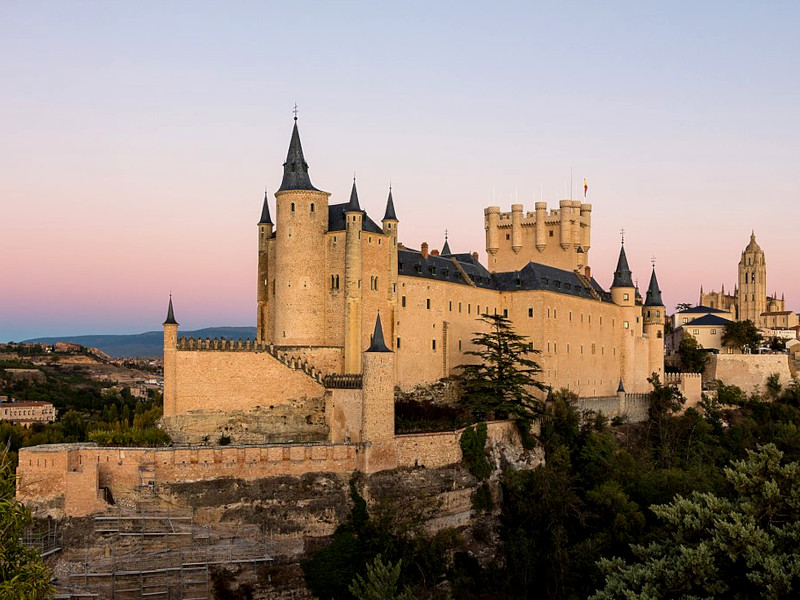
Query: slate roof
{"points": [[337, 221], [707, 320], [653, 292], [699, 309], [265, 218], [170, 314], [378, 345], [533, 276], [622, 276], [390, 214], [295, 169]]}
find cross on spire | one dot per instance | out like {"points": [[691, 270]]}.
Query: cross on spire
{"points": [[653, 261], [295, 111], [622, 234], [445, 235]]}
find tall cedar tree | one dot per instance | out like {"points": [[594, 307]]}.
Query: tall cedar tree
{"points": [[502, 382]]}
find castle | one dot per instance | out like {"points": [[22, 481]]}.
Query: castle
{"points": [[346, 314], [326, 271], [749, 301]]}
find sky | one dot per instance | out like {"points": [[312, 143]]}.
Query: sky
{"points": [[138, 139]]}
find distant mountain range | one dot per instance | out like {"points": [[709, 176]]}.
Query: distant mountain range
{"points": [[150, 343]]}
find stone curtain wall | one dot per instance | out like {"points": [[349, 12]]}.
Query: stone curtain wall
{"points": [[636, 406], [747, 371]]}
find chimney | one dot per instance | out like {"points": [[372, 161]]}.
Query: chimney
{"points": [[588, 272], [424, 249], [475, 256], [434, 253]]}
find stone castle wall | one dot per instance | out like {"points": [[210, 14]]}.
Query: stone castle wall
{"points": [[747, 371]]}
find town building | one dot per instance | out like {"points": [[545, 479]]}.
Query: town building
{"points": [[26, 413]]}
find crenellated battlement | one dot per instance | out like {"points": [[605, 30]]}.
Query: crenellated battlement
{"points": [[294, 362], [679, 378]]}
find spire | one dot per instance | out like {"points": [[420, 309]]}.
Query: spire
{"points": [[446, 247], [265, 218], [653, 293], [170, 314], [390, 214], [295, 169], [378, 345], [353, 205], [622, 276]]}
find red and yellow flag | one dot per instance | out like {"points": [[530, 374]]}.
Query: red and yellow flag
{"points": [[585, 187]]}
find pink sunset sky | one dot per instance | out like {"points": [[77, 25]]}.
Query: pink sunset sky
{"points": [[137, 140]]}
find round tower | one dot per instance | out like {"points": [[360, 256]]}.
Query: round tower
{"points": [[390, 223], [170, 362], [354, 219], [492, 224], [565, 218], [377, 405], [654, 315], [541, 231], [302, 220], [516, 227], [623, 291], [263, 320]]}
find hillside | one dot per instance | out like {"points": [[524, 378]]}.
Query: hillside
{"points": [[144, 344]]}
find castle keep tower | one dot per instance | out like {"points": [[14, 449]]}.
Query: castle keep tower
{"points": [[559, 239], [752, 299], [302, 220]]}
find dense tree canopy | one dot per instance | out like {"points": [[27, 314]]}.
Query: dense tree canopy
{"points": [[502, 382], [742, 335]]}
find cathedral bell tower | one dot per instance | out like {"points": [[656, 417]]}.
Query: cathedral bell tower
{"points": [[752, 297]]}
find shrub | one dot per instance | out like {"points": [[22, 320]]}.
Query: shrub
{"points": [[473, 448]]}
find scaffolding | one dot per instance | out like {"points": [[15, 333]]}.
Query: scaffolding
{"points": [[159, 554]]}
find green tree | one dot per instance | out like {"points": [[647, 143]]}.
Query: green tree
{"points": [[741, 335], [381, 582], [693, 356], [503, 380], [22, 573], [745, 544]]}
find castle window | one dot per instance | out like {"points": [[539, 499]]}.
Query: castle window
{"points": [[581, 317], [312, 207], [459, 345], [530, 311], [508, 236], [398, 342], [658, 334], [555, 313], [626, 325], [551, 233], [469, 309], [548, 313], [567, 348], [713, 332], [519, 282], [505, 313], [428, 303], [581, 348], [570, 316], [459, 307], [369, 240], [433, 345], [403, 301], [695, 331], [418, 268], [625, 296], [594, 348], [450, 306], [292, 206], [648, 314]]}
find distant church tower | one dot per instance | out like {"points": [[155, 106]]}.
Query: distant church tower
{"points": [[752, 300]]}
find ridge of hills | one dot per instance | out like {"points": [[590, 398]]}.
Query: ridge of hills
{"points": [[149, 343]]}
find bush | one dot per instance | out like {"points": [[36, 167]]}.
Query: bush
{"points": [[473, 448], [482, 500]]}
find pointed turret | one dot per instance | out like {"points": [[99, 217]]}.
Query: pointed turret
{"points": [[620, 388], [390, 214], [170, 314], [622, 276], [295, 169], [265, 218], [653, 292], [378, 345], [353, 205], [446, 247]]}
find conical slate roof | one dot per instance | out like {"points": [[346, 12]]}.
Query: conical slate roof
{"points": [[446, 247], [295, 169], [390, 214], [170, 314], [653, 293], [353, 205], [265, 218], [378, 345], [620, 387], [622, 276]]}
